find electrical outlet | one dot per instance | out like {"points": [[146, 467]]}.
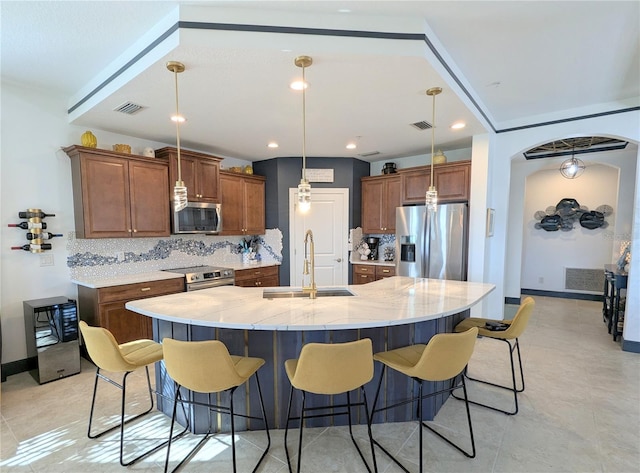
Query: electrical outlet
{"points": [[541, 280], [46, 259]]}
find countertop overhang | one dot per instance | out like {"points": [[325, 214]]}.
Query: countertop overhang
{"points": [[391, 301]]}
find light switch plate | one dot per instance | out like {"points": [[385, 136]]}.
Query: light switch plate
{"points": [[46, 259]]}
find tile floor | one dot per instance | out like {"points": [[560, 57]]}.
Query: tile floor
{"points": [[580, 413]]}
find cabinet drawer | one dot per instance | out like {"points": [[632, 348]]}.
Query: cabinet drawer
{"points": [[256, 273], [385, 271], [363, 278], [128, 292], [364, 269]]}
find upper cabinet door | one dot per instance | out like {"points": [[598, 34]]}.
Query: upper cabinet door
{"points": [[102, 205], [453, 182], [254, 205], [243, 202], [149, 184], [200, 173], [232, 205], [209, 181], [380, 197]]}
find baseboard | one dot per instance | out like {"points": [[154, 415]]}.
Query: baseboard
{"points": [[512, 300], [631, 346], [564, 295], [19, 366]]}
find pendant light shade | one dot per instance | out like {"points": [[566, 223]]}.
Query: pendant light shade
{"points": [[179, 190], [431, 198], [304, 188], [572, 167]]}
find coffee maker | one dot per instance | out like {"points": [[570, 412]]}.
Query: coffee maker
{"points": [[372, 243]]}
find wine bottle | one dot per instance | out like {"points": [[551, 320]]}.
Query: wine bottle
{"points": [[33, 248], [34, 213], [44, 235], [28, 225]]}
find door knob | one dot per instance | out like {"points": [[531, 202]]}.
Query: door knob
{"points": [[339, 260]]}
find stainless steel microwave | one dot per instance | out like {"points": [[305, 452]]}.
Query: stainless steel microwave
{"points": [[198, 217]]}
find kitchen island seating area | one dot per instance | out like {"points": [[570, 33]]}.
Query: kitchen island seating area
{"points": [[206, 368], [442, 359], [330, 369], [123, 359], [507, 331]]}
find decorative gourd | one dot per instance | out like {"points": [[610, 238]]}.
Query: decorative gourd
{"points": [[89, 140]]}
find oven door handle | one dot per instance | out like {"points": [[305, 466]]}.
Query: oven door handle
{"points": [[210, 284]]}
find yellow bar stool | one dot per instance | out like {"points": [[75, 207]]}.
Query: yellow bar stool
{"points": [[330, 369], [108, 356], [207, 367], [509, 333], [443, 358]]}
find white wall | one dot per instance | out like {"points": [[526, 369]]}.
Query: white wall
{"points": [[545, 255], [500, 255]]}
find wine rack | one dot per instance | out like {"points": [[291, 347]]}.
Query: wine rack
{"points": [[36, 234]]}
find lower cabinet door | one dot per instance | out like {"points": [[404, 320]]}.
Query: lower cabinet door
{"points": [[124, 324]]}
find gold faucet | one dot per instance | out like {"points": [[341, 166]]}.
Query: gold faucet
{"points": [[311, 289]]}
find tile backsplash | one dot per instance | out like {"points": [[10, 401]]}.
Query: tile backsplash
{"points": [[108, 257]]}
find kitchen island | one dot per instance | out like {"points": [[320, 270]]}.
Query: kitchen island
{"points": [[393, 312]]}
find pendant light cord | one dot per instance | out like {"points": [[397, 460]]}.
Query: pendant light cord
{"points": [[433, 137], [175, 73], [304, 126]]}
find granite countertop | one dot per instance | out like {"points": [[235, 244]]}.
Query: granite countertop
{"points": [[389, 301]]}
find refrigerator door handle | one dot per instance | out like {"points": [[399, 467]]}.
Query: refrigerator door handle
{"points": [[426, 244]]}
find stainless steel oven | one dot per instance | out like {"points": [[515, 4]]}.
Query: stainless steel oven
{"points": [[204, 277]]}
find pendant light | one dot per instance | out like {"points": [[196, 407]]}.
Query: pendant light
{"points": [[431, 198], [179, 190], [304, 188], [572, 167]]}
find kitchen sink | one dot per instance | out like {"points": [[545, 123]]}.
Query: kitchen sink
{"points": [[276, 293]]}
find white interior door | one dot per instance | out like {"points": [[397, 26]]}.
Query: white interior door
{"points": [[328, 220]]}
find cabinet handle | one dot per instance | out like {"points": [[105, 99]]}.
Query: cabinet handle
{"points": [[135, 231], [339, 260], [144, 289], [385, 271]]}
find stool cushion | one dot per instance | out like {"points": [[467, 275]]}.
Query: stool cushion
{"points": [[444, 357], [516, 326], [108, 355], [141, 352]]}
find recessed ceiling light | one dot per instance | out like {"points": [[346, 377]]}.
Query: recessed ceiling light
{"points": [[458, 126], [351, 146], [178, 118], [299, 85], [273, 144], [344, 10]]}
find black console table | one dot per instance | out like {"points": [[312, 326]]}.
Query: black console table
{"points": [[615, 282]]}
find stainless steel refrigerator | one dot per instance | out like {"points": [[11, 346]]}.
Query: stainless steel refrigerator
{"points": [[432, 245]]}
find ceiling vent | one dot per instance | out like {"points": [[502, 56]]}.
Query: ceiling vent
{"points": [[423, 125], [578, 145], [370, 153], [128, 108]]}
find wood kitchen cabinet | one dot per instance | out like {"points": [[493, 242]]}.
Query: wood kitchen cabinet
{"points": [[104, 307], [380, 197], [452, 181], [200, 173], [366, 273], [118, 195], [243, 203], [264, 276]]}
